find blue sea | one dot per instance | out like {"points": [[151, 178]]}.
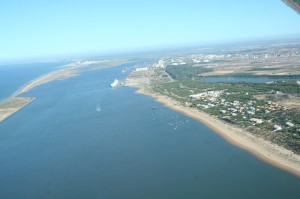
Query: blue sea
{"points": [[60, 146], [12, 77]]}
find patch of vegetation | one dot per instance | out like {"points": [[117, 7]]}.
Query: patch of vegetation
{"points": [[182, 86], [252, 75], [237, 105], [263, 69], [235, 75], [186, 71], [297, 2]]}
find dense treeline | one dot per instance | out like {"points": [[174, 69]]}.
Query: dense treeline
{"points": [[281, 86], [241, 87], [185, 71], [263, 69], [253, 75]]}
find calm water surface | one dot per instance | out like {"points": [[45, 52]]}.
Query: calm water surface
{"points": [[61, 147], [12, 77]]}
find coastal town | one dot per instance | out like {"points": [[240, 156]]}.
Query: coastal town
{"points": [[150, 99], [248, 98], [250, 112], [264, 60]]}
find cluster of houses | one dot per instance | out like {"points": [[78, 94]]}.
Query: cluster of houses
{"points": [[210, 95], [160, 64], [200, 58], [270, 106], [174, 61], [206, 58], [141, 69], [232, 109]]}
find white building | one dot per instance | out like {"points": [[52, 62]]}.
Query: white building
{"points": [[141, 69], [159, 64], [290, 124], [277, 127], [209, 94], [256, 120]]}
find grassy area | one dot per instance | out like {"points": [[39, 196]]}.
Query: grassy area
{"points": [[263, 69], [183, 87], [185, 71]]}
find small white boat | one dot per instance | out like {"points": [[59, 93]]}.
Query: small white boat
{"points": [[98, 108], [116, 83]]}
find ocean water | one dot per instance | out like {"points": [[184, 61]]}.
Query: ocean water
{"points": [[60, 146], [12, 77]]}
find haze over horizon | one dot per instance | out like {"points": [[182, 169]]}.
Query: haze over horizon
{"points": [[33, 29]]}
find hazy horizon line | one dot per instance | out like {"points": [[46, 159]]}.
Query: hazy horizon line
{"points": [[140, 50]]}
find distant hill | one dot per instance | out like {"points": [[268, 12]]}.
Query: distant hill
{"points": [[295, 4]]}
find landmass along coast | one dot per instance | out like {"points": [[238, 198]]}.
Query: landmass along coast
{"points": [[270, 152], [263, 149]]}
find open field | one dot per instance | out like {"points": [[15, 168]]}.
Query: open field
{"points": [[274, 66]]}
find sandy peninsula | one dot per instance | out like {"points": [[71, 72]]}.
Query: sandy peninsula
{"points": [[263, 149], [60, 74], [15, 103], [12, 105]]}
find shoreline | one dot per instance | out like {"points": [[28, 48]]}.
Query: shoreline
{"points": [[49, 77], [15, 103], [12, 105], [269, 152], [63, 72]]}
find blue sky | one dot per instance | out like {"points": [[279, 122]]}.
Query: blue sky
{"points": [[56, 28]]}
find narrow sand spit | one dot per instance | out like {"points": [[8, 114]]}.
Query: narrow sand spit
{"points": [[16, 103], [12, 105]]}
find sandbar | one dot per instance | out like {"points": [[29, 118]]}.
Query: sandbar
{"points": [[15, 103], [12, 105]]}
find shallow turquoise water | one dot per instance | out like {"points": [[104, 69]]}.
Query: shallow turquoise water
{"points": [[61, 147]]}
